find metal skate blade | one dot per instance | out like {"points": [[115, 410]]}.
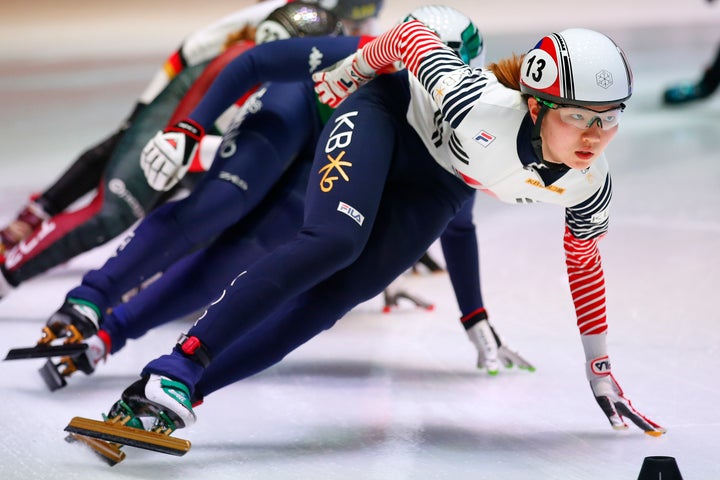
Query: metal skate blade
{"points": [[133, 437], [45, 351], [108, 452]]}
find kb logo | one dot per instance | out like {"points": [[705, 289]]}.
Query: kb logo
{"points": [[340, 137]]}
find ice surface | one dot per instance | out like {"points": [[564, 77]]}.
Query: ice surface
{"points": [[397, 396]]}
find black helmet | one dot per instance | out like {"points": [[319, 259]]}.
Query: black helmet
{"points": [[298, 19], [355, 10], [352, 10]]}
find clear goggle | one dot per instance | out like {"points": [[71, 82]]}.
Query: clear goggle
{"points": [[584, 118]]}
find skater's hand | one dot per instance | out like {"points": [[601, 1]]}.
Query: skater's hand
{"points": [[613, 402], [492, 350], [335, 83], [167, 156]]}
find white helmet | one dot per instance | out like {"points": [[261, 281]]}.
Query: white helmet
{"points": [[577, 66], [455, 29]]}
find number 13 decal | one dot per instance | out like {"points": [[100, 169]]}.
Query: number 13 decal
{"points": [[535, 68], [539, 70]]}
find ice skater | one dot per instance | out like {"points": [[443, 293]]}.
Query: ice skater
{"points": [[52, 231], [281, 129], [396, 161]]}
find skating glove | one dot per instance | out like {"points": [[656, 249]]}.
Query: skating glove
{"points": [[492, 351], [167, 157], [334, 84], [612, 400], [98, 348]]}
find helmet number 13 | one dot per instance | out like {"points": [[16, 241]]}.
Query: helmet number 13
{"points": [[535, 67]]}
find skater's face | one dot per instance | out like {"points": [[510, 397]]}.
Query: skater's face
{"points": [[576, 136]]}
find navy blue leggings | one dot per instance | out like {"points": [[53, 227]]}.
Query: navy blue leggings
{"points": [[376, 200], [195, 280], [251, 159]]}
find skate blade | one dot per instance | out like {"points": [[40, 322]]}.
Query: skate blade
{"points": [[53, 379], [417, 301], [133, 437], [110, 453], [45, 351]]}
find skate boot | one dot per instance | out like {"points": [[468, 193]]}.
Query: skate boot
{"points": [[690, 92], [94, 349], [162, 399], [393, 296], [26, 222], [685, 93], [147, 413], [76, 319], [72, 333]]}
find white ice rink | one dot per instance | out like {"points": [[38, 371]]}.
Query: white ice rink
{"points": [[397, 396]]}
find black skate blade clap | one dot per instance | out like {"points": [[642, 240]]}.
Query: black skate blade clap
{"points": [[132, 437], [51, 375], [46, 351], [110, 453]]}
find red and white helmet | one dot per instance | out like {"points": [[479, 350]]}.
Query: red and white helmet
{"points": [[579, 67]]}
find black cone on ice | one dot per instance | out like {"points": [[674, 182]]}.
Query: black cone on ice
{"points": [[659, 468]]}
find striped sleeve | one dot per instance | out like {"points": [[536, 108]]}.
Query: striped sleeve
{"points": [[586, 223], [587, 282], [589, 219], [408, 42], [453, 84]]}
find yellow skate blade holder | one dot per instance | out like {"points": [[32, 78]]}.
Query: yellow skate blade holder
{"points": [[133, 437]]}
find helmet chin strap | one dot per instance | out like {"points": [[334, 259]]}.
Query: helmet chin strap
{"points": [[536, 142]]}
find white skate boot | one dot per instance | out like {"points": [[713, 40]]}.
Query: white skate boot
{"points": [[166, 400]]}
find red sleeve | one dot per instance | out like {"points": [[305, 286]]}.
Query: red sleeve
{"points": [[587, 282], [364, 40]]}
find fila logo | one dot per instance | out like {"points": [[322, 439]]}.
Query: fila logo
{"points": [[484, 138], [600, 216], [351, 212], [601, 365]]}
